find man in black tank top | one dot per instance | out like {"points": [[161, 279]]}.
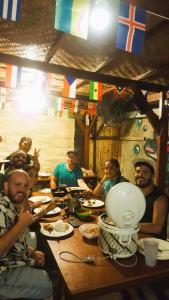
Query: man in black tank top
{"points": [[154, 220]]}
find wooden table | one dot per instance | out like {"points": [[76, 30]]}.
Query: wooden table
{"points": [[81, 280]]}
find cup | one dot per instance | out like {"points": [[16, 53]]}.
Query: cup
{"points": [[150, 252]]}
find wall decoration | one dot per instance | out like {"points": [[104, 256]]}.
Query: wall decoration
{"points": [[150, 148], [139, 122], [145, 128], [136, 149]]}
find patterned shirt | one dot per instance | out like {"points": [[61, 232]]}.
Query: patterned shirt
{"points": [[8, 218]]}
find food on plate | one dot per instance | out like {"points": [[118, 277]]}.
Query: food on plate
{"points": [[91, 230], [48, 227], [59, 226], [91, 202]]}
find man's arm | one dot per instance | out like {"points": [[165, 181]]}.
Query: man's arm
{"points": [[8, 239], [53, 182], [160, 212]]}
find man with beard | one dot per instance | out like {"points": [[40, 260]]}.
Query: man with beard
{"points": [[17, 278], [18, 161], [154, 220]]}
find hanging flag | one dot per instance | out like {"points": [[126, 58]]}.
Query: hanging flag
{"points": [[59, 106], [69, 88], [70, 114], [75, 104], [3, 95], [92, 109], [95, 90], [49, 81], [13, 76], [10, 9], [72, 16], [131, 28]]}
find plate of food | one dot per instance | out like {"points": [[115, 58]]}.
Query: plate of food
{"points": [[93, 203], [89, 231], [43, 199], [45, 191], [54, 211], [56, 229], [163, 247], [74, 188]]}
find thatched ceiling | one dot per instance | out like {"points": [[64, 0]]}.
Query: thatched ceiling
{"points": [[34, 42]]}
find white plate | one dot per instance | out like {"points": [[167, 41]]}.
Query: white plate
{"points": [[163, 246], [93, 203], [74, 188], [4, 160], [55, 211], [55, 233], [41, 174], [43, 199], [45, 191]]}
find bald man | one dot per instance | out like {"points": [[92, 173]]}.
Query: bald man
{"points": [[18, 279]]}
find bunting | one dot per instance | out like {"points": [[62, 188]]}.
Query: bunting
{"points": [[95, 90], [131, 28], [69, 89], [59, 106], [3, 96], [72, 16], [13, 76], [70, 114], [75, 104], [10, 9], [92, 109]]}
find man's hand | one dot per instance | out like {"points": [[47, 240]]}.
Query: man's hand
{"points": [[39, 258], [36, 153], [25, 217]]}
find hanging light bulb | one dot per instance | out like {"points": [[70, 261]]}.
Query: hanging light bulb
{"points": [[100, 16]]}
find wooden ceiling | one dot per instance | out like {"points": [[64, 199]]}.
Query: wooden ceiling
{"points": [[33, 42]]}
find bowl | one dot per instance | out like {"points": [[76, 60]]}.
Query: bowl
{"points": [[58, 192], [83, 213], [89, 231]]}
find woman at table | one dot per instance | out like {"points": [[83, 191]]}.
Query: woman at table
{"points": [[69, 173], [25, 145], [112, 176]]}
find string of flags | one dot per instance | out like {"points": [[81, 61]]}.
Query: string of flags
{"points": [[21, 76], [72, 16]]}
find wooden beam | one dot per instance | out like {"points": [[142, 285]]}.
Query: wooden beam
{"points": [[53, 48], [57, 69]]}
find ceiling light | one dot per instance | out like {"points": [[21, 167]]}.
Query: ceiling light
{"points": [[100, 16]]}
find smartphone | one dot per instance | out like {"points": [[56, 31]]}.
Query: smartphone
{"points": [[74, 222]]}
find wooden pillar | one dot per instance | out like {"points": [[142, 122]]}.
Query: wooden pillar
{"points": [[162, 145], [86, 130], [160, 126]]}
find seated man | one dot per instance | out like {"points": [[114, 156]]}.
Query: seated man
{"points": [[69, 173], [154, 220], [18, 279], [18, 161], [25, 145]]}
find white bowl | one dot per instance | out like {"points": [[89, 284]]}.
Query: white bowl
{"points": [[89, 231]]}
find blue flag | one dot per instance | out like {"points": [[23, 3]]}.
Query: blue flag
{"points": [[10, 9], [131, 28]]}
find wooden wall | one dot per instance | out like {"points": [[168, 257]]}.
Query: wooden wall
{"points": [[53, 135]]}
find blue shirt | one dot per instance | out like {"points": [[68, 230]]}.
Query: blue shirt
{"points": [[109, 183], [68, 177]]}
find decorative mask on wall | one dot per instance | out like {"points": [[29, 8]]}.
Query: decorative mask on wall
{"points": [[150, 148]]}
